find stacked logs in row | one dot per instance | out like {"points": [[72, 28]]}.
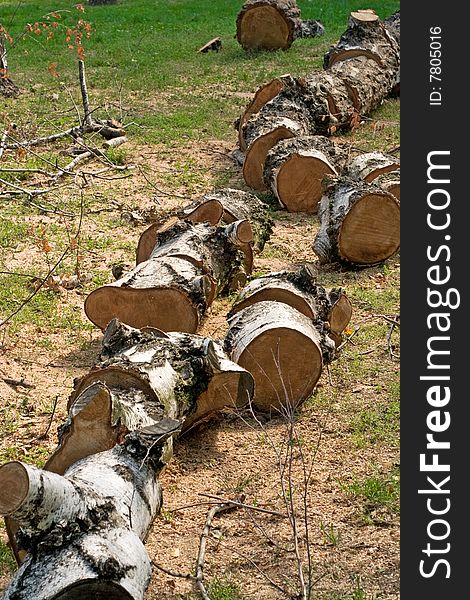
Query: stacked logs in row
{"points": [[284, 133], [284, 329], [78, 526], [185, 262], [362, 70], [273, 25]]}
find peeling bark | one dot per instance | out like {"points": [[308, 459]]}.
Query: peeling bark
{"points": [[83, 519]]}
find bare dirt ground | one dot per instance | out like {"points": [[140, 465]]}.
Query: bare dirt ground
{"points": [[235, 455]]}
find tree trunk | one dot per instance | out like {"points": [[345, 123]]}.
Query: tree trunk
{"points": [[299, 290], [359, 224], [294, 170], [368, 166], [273, 25], [284, 350], [188, 267], [88, 526]]}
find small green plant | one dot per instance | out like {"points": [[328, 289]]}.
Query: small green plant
{"points": [[377, 494], [330, 535], [7, 560], [224, 589]]}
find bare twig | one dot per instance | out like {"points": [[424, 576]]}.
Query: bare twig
{"points": [[87, 120], [51, 418], [202, 547], [235, 503]]}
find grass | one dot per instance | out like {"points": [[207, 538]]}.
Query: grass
{"points": [[376, 494], [223, 589]]}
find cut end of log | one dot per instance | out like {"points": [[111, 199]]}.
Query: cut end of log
{"points": [[14, 487], [164, 308], [274, 294], [299, 182], [253, 167], [264, 27], [90, 430], [149, 238], [272, 357], [340, 314], [262, 96], [370, 232], [365, 16]]}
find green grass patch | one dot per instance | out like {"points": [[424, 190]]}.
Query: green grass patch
{"points": [[224, 589], [7, 560], [377, 494]]}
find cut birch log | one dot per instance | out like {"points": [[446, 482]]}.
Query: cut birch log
{"points": [[187, 268], [224, 205], [147, 387], [169, 293], [209, 211], [390, 182], [239, 205], [300, 290], [273, 25], [359, 224], [357, 81], [294, 170], [283, 117], [365, 36], [83, 531], [370, 165], [263, 94], [283, 350]]}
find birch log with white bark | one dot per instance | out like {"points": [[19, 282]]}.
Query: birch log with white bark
{"points": [[300, 290], [81, 522], [359, 224]]}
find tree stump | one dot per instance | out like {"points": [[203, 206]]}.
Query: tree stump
{"points": [[294, 170], [300, 290], [359, 224], [282, 348], [188, 267], [81, 521]]}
